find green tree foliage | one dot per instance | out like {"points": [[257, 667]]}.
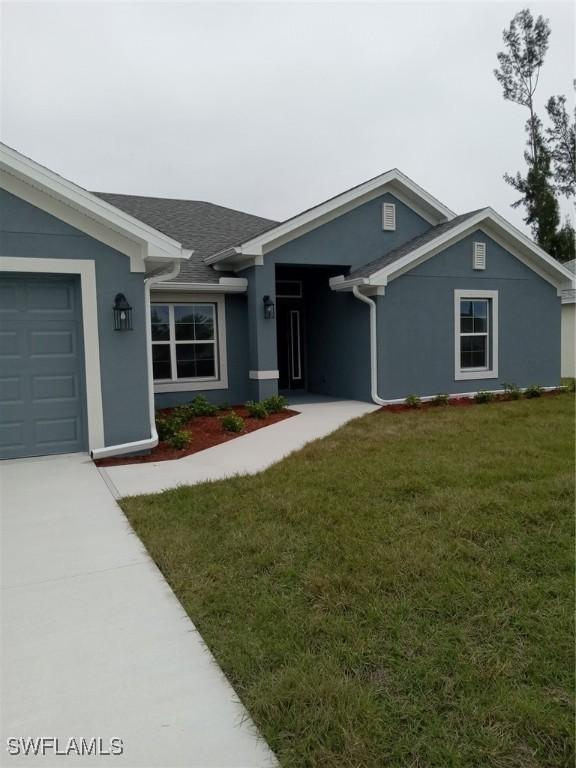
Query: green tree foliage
{"points": [[526, 42], [562, 142]]}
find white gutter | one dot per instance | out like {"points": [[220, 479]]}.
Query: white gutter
{"points": [[224, 285], [373, 346], [152, 441]]}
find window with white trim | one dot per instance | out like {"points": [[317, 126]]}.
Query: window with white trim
{"points": [[184, 342], [476, 334]]}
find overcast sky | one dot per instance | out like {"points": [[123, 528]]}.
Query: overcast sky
{"points": [[268, 107]]}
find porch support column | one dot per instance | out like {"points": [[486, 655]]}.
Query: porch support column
{"points": [[262, 354]]}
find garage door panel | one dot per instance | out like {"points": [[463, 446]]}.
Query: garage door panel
{"points": [[57, 433], [55, 388], [10, 391], [42, 401]]}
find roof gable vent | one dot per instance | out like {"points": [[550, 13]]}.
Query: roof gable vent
{"points": [[479, 256], [388, 217]]}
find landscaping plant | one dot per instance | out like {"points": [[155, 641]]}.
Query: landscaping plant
{"points": [[413, 401], [512, 392], [179, 439], [275, 403], [534, 390], [166, 426], [232, 422], [442, 398], [256, 410], [200, 406], [483, 396]]}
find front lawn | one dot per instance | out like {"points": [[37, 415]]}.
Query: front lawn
{"points": [[399, 594]]}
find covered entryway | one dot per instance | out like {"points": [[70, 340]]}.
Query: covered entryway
{"points": [[42, 400]]}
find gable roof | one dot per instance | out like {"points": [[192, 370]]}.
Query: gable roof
{"points": [[403, 250], [63, 198], [202, 227], [393, 181], [417, 250]]}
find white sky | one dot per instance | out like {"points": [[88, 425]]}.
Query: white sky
{"points": [[269, 107]]}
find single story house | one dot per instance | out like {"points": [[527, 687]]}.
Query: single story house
{"points": [[114, 305], [569, 326]]}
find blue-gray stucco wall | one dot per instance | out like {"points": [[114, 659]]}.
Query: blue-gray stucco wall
{"points": [[28, 232], [416, 323], [238, 390], [354, 238], [337, 355]]}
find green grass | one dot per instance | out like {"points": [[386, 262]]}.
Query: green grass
{"points": [[399, 594]]}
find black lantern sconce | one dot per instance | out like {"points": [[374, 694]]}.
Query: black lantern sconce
{"points": [[268, 308], [122, 313]]}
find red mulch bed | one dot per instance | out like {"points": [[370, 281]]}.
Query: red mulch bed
{"points": [[205, 432], [456, 401]]}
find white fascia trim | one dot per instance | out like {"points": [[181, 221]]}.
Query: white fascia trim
{"points": [[533, 256], [263, 375], [568, 299], [328, 210], [196, 385], [158, 245], [461, 374], [224, 285], [87, 272]]}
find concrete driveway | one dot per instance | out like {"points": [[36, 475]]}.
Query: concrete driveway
{"points": [[94, 643]]}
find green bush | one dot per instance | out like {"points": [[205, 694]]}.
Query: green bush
{"points": [[442, 398], [484, 397], [413, 401], [183, 414], [179, 439], [232, 422], [511, 392], [534, 390], [275, 403], [166, 426], [256, 410], [200, 406]]}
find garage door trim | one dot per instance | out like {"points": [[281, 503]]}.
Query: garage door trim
{"points": [[85, 268]]}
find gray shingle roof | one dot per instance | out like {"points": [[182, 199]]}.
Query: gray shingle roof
{"points": [[403, 250], [204, 227]]}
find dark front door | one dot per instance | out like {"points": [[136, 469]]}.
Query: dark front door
{"points": [[290, 339]]}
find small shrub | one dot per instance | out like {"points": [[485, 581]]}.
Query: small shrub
{"points": [[483, 396], [183, 414], [179, 439], [413, 401], [442, 398], [534, 390], [166, 426], [232, 422], [275, 403], [256, 410], [200, 406], [512, 392]]}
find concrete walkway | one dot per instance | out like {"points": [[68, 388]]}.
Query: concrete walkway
{"points": [[94, 642], [318, 416]]}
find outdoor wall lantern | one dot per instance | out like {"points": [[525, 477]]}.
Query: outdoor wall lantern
{"points": [[122, 313], [268, 308]]}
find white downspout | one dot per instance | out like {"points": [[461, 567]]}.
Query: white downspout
{"points": [[373, 346], [152, 441]]}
